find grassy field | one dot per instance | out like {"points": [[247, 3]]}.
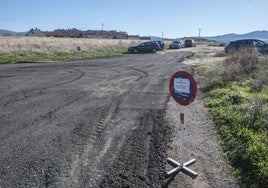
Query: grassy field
{"points": [[236, 93], [32, 49]]}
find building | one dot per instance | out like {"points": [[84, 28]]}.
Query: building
{"points": [[35, 33]]}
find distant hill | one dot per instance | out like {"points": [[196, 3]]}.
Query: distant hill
{"points": [[229, 37], [11, 33]]}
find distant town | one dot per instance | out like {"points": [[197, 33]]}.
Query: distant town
{"points": [[75, 33]]}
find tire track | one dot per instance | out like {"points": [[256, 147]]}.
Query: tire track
{"points": [[102, 122], [69, 81], [142, 157], [47, 117], [85, 146], [142, 76], [23, 94]]}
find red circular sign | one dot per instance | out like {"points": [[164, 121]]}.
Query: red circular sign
{"points": [[183, 88]]}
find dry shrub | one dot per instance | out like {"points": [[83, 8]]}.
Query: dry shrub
{"points": [[259, 78], [239, 64], [263, 70]]}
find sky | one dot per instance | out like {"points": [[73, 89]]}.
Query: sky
{"points": [[167, 18]]}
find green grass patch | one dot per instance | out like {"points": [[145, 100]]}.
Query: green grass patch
{"points": [[41, 57], [237, 99]]}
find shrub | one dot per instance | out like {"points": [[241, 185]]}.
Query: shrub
{"points": [[255, 85], [235, 98], [239, 64], [214, 84]]}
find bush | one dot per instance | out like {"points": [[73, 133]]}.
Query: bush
{"points": [[214, 84], [239, 64]]}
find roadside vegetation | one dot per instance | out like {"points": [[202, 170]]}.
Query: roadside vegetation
{"points": [[22, 57], [40, 49], [236, 94]]}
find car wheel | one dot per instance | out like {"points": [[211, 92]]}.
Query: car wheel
{"points": [[135, 51]]}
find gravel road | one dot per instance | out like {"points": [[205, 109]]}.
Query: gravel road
{"points": [[102, 123]]}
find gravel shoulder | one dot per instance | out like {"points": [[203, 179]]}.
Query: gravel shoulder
{"points": [[201, 139]]}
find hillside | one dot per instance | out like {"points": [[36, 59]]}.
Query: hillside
{"points": [[232, 36], [13, 33]]}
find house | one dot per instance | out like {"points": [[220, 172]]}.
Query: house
{"points": [[70, 33], [35, 33]]}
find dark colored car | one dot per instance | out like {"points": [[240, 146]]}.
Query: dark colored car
{"points": [[176, 44], [260, 45], [161, 44], [144, 47], [189, 43]]}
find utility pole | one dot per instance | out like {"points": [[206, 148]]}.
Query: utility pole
{"points": [[199, 32], [162, 35], [102, 26]]}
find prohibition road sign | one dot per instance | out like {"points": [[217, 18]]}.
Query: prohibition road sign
{"points": [[183, 88]]}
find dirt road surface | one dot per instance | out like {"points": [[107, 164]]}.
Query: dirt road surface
{"points": [[103, 123]]}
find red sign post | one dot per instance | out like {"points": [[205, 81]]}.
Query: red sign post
{"points": [[183, 89]]}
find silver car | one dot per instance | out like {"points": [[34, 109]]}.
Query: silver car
{"points": [[176, 44]]}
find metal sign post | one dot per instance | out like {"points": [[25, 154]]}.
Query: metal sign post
{"points": [[78, 50], [182, 135], [183, 89]]}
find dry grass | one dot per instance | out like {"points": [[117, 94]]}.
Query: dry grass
{"points": [[239, 64], [48, 45]]}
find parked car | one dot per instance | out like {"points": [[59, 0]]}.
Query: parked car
{"points": [[189, 43], [176, 44], [161, 44], [150, 46], [260, 45]]}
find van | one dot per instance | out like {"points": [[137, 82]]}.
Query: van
{"points": [[189, 43]]}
